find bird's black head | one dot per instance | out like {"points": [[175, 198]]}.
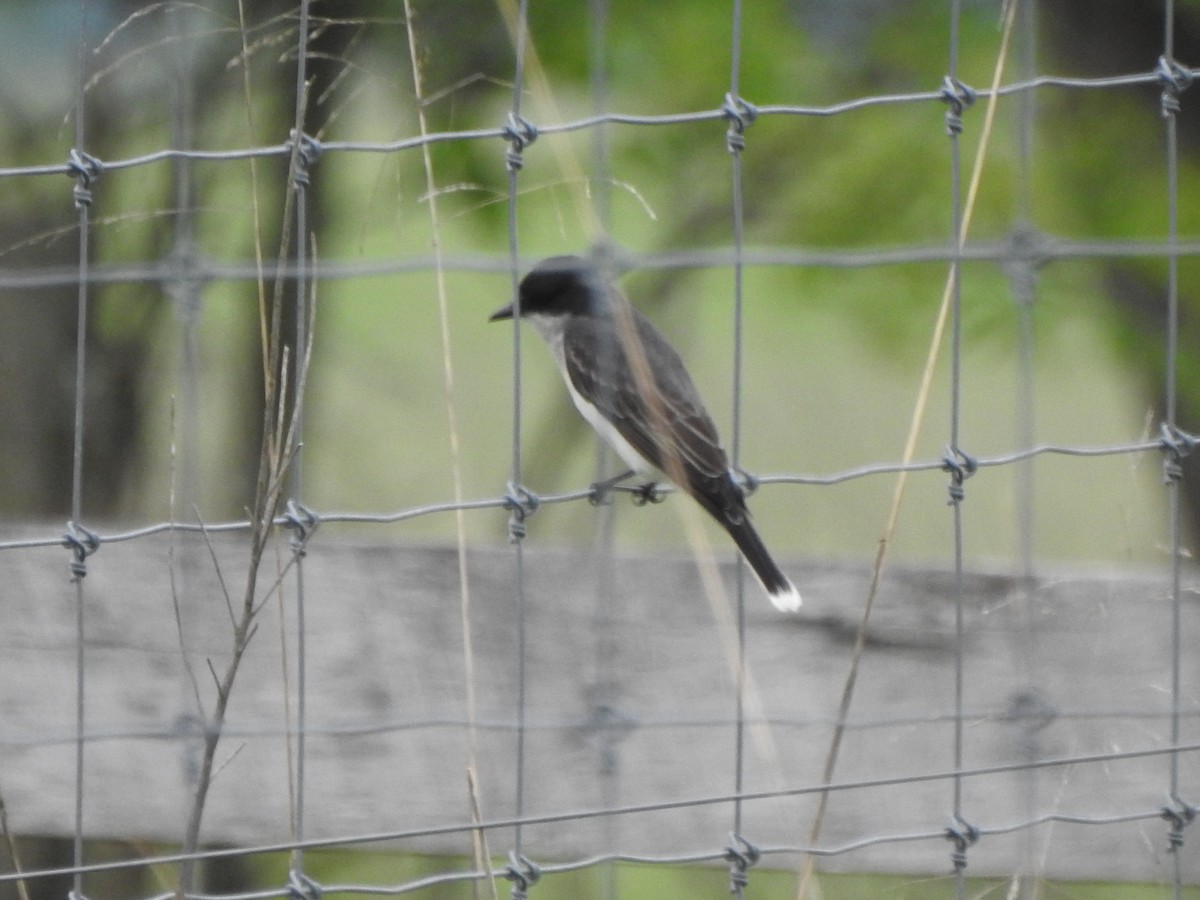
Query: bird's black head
{"points": [[558, 286]]}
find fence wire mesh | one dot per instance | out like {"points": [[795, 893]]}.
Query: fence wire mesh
{"points": [[184, 271]]}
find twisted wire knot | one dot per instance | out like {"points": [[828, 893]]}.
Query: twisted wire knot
{"points": [[958, 97], [85, 169], [1178, 444], [963, 835], [961, 466], [302, 522], [523, 873], [302, 887], [521, 504], [308, 151], [1028, 251], [82, 542], [520, 133], [1180, 815], [747, 481], [1175, 79], [741, 115], [742, 855]]}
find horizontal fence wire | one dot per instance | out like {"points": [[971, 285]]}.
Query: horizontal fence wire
{"points": [[719, 114], [1167, 443], [863, 723], [1033, 250], [1029, 248], [579, 815]]}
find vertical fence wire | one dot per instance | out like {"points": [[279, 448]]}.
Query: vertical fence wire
{"points": [[83, 200], [184, 287], [606, 714], [1023, 284], [735, 144], [520, 134], [302, 158], [185, 293], [601, 175], [1023, 278], [959, 829], [1177, 812]]}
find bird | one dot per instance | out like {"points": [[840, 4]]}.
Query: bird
{"points": [[632, 387]]}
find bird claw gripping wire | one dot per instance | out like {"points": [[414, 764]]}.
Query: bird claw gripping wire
{"points": [[1180, 815], [741, 115], [601, 492], [521, 504], [649, 492], [741, 855], [958, 97], [1175, 79], [961, 466], [85, 169], [303, 522], [308, 151], [520, 133], [1178, 444], [83, 543], [523, 873], [302, 887], [963, 835]]}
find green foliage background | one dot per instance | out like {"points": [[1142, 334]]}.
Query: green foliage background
{"points": [[833, 354]]}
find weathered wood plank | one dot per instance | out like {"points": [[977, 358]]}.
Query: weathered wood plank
{"points": [[630, 699]]}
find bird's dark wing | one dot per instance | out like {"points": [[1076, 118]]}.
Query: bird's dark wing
{"points": [[676, 426]]}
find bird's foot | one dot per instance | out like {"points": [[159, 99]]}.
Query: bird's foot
{"points": [[650, 492], [601, 494]]}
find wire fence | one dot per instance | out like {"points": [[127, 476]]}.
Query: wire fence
{"points": [[299, 271]]}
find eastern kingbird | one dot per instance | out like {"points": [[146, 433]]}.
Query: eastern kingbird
{"points": [[632, 387]]}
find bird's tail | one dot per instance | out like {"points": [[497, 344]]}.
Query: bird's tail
{"points": [[777, 585]]}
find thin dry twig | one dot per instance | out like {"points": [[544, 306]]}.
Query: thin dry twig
{"points": [[11, 843], [281, 413], [212, 555], [171, 574]]}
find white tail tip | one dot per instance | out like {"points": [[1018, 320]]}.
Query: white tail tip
{"points": [[787, 600]]}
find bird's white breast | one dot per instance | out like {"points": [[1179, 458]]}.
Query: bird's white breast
{"points": [[550, 328]]}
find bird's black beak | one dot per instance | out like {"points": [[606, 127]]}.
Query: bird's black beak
{"points": [[505, 312]]}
